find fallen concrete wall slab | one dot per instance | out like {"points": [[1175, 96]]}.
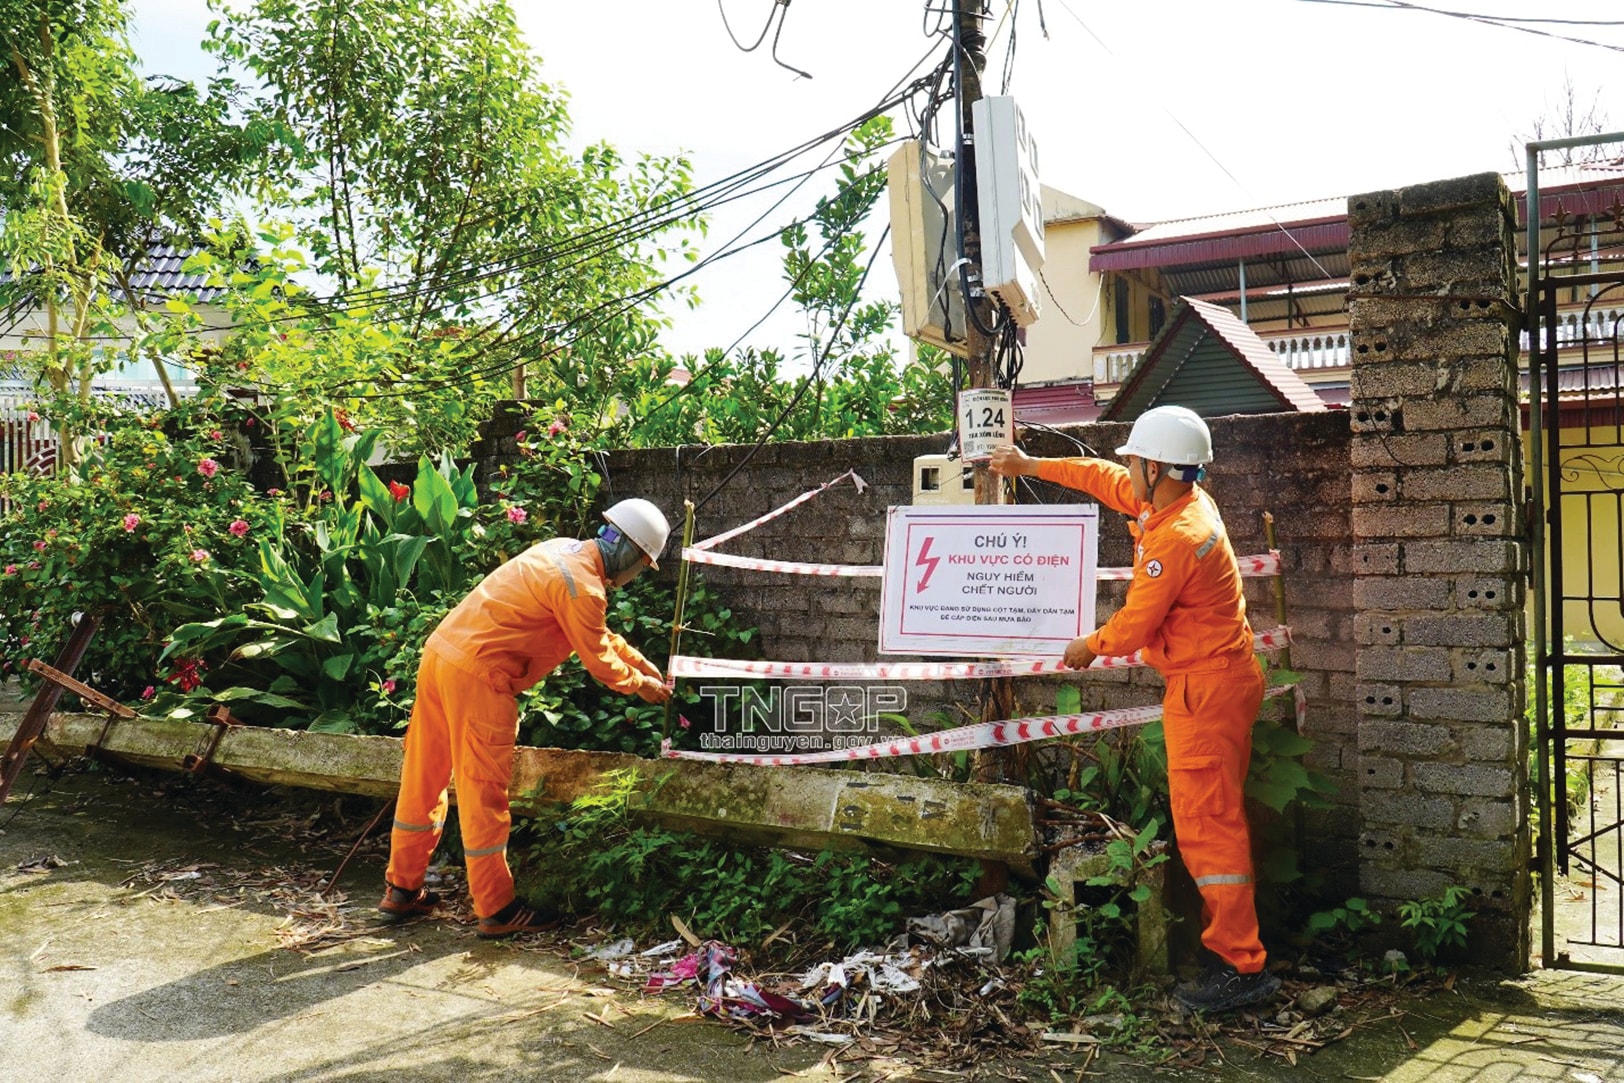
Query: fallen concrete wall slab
{"points": [[798, 807]]}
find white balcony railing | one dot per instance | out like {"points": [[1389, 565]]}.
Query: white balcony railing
{"points": [[1328, 348], [1310, 349]]}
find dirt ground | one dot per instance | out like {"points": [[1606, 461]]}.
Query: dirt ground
{"points": [[161, 929]]}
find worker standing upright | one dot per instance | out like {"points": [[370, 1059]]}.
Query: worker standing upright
{"points": [[515, 627], [1186, 611]]}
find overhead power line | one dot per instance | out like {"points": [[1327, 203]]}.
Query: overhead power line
{"points": [[1525, 25]]}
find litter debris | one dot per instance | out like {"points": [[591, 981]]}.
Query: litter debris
{"points": [[726, 996], [41, 864], [617, 949], [985, 928], [885, 973]]}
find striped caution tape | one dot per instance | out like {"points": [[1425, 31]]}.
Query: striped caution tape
{"points": [[712, 542], [981, 735], [1255, 566], [688, 666]]}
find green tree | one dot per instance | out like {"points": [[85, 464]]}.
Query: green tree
{"points": [[425, 173], [96, 166]]}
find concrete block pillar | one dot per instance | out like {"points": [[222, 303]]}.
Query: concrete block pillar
{"points": [[1439, 554]]}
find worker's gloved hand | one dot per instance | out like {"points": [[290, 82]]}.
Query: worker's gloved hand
{"points": [[1009, 461], [653, 691], [1078, 656]]}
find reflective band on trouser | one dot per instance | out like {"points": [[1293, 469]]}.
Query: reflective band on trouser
{"points": [[420, 807], [1223, 878], [470, 735], [403, 826], [1207, 723]]}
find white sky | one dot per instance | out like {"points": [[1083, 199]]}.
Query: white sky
{"points": [[1283, 100]]}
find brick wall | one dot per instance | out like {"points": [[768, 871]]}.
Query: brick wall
{"points": [[1398, 522], [1439, 551], [1293, 465]]}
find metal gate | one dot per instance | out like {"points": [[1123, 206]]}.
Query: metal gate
{"points": [[1575, 245]]}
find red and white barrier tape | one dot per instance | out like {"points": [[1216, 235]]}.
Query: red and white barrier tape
{"points": [[1258, 565], [711, 543], [963, 739], [688, 666], [786, 567]]}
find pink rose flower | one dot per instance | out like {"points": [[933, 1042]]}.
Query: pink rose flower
{"points": [[11, 569], [200, 555], [33, 565], [273, 492], [148, 692], [238, 528], [208, 468], [217, 435], [389, 687], [131, 521], [518, 437], [517, 514], [556, 427], [32, 416], [39, 544]]}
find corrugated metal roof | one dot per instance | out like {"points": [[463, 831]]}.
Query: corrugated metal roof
{"points": [[1208, 360], [1056, 404], [1271, 240], [1244, 221], [1320, 225]]}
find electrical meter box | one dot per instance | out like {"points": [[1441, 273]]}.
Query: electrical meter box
{"points": [[1009, 199], [939, 481], [924, 247]]}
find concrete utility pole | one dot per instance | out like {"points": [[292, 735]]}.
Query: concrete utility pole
{"points": [[969, 60]]}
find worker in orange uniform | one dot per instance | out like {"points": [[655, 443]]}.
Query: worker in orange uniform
{"points": [[1185, 610], [513, 629]]}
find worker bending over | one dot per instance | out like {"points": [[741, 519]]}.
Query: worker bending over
{"points": [[513, 629], [1185, 610]]}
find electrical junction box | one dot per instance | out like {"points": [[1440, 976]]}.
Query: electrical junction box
{"points": [[939, 481], [1010, 205], [924, 247]]}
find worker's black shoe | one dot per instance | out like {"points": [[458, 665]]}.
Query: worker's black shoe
{"points": [[400, 905], [1223, 989], [516, 917]]}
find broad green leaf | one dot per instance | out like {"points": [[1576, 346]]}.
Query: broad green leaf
{"points": [[325, 629]]}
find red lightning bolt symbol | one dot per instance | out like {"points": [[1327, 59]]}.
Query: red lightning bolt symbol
{"points": [[927, 562]]}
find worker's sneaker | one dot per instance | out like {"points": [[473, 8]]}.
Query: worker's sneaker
{"points": [[1223, 989], [516, 917], [400, 905]]}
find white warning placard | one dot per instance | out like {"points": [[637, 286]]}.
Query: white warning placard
{"points": [[986, 420], [988, 581]]}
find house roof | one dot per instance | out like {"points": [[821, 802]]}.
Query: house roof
{"points": [[1307, 241], [158, 276], [1064, 403], [1208, 360]]}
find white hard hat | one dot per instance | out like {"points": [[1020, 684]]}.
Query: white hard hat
{"points": [[1172, 435], [643, 523]]}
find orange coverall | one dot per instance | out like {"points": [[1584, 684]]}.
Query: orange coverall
{"points": [[1185, 610], [512, 630]]}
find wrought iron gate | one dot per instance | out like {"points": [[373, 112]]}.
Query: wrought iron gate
{"points": [[1575, 346]]}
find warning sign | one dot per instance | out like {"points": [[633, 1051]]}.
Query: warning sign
{"points": [[986, 420], [993, 581]]}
